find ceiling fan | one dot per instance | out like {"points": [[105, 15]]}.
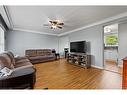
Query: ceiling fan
{"points": [[55, 24]]}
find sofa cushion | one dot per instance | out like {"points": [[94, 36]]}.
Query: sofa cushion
{"points": [[21, 59], [42, 57], [22, 65], [31, 53], [40, 53], [50, 56], [38, 57], [47, 52], [5, 61]]}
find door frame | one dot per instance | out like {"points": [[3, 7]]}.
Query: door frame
{"points": [[103, 44]]}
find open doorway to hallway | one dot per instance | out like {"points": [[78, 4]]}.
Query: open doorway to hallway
{"points": [[111, 45]]}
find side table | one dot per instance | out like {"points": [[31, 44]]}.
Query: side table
{"points": [[57, 56]]}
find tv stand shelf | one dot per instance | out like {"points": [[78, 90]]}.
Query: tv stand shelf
{"points": [[79, 59]]}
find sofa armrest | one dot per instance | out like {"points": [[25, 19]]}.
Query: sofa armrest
{"points": [[54, 54]]}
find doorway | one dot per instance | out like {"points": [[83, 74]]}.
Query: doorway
{"points": [[111, 45]]}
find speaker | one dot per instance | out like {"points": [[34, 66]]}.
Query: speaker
{"points": [[66, 51], [53, 51]]}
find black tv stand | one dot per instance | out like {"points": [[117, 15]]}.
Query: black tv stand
{"points": [[79, 59]]}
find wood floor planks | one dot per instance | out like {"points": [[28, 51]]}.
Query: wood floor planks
{"points": [[112, 66], [62, 75]]}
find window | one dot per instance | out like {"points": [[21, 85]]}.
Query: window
{"points": [[111, 40], [1, 40]]}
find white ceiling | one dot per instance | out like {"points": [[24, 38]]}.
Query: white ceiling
{"points": [[33, 17]]}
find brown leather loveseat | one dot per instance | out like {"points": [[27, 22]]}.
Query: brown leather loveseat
{"points": [[40, 55]]}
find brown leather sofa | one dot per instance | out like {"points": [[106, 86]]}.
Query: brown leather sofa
{"points": [[40, 55], [23, 71]]}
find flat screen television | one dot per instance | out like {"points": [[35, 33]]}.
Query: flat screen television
{"points": [[79, 47]]}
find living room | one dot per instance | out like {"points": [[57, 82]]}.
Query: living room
{"points": [[37, 38]]}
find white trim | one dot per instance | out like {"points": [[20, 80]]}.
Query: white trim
{"points": [[97, 67], [4, 15], [8, 16], [96, 23], [39, 32]]}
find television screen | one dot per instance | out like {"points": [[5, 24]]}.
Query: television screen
{"points": [[78, 47]]}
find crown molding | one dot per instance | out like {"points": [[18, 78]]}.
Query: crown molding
{"points": [[96, 23], [31, 31], [5, 14], [8, 17]]}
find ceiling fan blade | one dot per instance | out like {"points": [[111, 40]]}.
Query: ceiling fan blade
{"points": [[54, 22], [51, 21], [60, 27], [61, 23]]}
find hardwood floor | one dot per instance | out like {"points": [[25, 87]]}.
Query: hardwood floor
{"points": [[112, 66], [62, 75]]}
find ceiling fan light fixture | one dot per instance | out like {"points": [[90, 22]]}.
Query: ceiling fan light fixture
{"points": [[54, 26]]}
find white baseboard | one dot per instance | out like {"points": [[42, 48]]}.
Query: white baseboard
{"points": [[97, 67]]}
